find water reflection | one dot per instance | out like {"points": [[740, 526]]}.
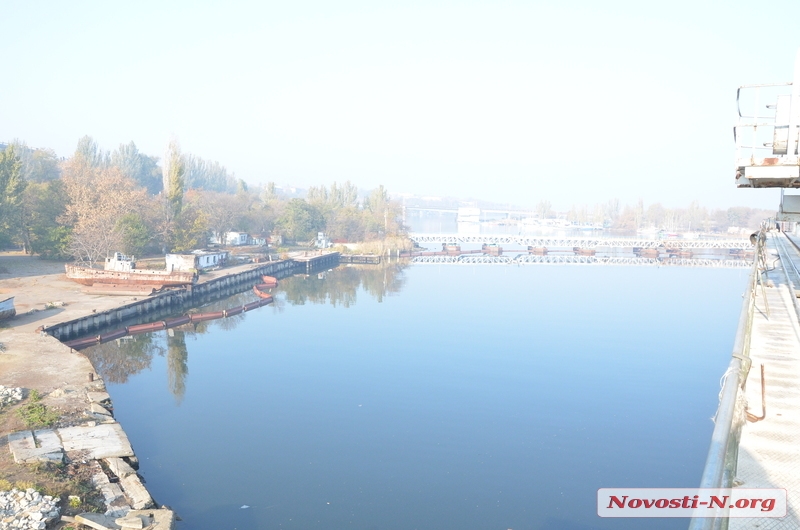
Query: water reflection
{"points": [[340, 286], [177, 363], [483, 397], [118, 360]]}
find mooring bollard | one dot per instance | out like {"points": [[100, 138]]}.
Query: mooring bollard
{"points": [[91, 376]]}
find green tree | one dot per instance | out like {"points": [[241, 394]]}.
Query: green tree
{"points": [[135, 233], [301, 221], [190, 230], [12, 187], [38, 165], [45, 203], [91, 154], [138, 167], [208, 175], [177, 363], [173, 177]]}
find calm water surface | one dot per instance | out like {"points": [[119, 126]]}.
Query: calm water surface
{"points": [[432, 397]]}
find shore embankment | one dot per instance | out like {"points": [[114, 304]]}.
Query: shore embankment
{"points": [[64, 380]]}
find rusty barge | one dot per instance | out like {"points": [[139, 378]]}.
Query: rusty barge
{"points": [[121, 272]]}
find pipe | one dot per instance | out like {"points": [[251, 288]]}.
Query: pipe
{"points": [[719, 471]]}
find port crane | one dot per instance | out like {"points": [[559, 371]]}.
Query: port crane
{"points": [[768, 138]]}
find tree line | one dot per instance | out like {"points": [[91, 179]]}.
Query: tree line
{"points": [[635, 217], [117, 362], [97, 202]]}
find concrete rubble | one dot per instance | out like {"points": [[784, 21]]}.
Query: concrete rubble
{"points": [[136, 519], [67, 382], [9, 395], [27, 509], [123, 493]]}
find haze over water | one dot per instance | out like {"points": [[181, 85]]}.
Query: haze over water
{"points": [[432, 397]]}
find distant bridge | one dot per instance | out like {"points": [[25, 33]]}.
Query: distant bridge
{"points": [[581, 242], [527, 259], [480, 211]]}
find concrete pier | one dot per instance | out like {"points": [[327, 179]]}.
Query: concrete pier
{"points": [[310, 261], [769, 451], [220, 284], [33, 358]]}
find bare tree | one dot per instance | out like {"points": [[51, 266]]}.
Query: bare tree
{"points": [[98, 199]]}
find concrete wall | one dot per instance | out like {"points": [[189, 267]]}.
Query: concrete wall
{"points": [[181, 262], [171, 301]]}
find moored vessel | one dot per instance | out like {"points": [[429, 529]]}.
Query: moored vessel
{"points": [[121, 271], [7, 309]]}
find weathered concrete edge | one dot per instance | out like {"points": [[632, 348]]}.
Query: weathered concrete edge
{"points": [[174, 298], [177, 297]]}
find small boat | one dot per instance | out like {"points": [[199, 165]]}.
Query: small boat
{"points": [[269, 281], [258, 289], [7, 309]]}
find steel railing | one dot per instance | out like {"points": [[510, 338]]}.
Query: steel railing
{"points": [[720, 468], [761, 136]]}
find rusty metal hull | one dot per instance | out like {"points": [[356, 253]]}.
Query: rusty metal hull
{"points": [[168, 323], [79, 344], [144, 328], [89, 276], [121, 290], [269, 281], [113, 335], [258, 290]]}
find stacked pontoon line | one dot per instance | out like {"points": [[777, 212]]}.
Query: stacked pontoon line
{"points": [[170, 302], [168, 323]]}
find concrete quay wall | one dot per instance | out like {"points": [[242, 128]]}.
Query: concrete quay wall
{"points": [[170, 301]]}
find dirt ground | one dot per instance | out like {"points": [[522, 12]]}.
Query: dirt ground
{"points": [[43, 296], [34, 361]]}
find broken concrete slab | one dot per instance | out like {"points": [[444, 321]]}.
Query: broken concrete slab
{"points": [[47, 439], [133, 461], [35, 446], [133, 522], [119, 467], [162, 519], [112, 492], [98, 397], [99, 409], [97, 521], [136, 492], [100, 441]]}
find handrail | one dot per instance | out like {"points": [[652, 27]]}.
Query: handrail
{"points": [[789, 281], [720, 467]]}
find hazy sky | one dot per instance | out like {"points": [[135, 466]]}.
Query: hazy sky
{"points": [[575, 102]]}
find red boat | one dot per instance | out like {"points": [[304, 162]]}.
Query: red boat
{"points": [[269, 281], [258, 290]]}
